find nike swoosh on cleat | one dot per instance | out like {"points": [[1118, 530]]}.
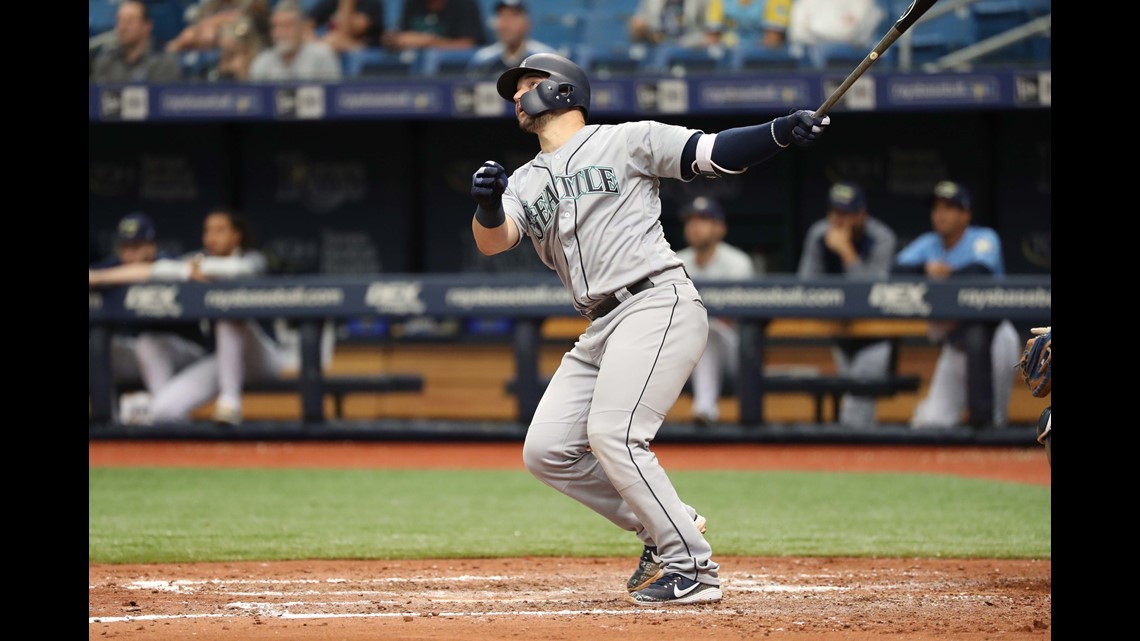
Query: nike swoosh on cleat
{"points": [[680, 593]]}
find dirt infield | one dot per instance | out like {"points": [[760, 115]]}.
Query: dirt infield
{"points": [[805, 599]]}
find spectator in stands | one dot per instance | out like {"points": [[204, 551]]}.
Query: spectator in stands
{"points": [[142, 353], [817, 26], [442, 24], [513, 43], [708, 257], [243, 349], [849, 242], [681, 22], [210, 16], [133, 58], [349, 25], [975, 369], [293, 56], [238, 45], [756, 22]]}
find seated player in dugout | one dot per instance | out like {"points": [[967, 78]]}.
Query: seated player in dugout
{"points": [[975, 370], [151, 354], [850, 242], [244, 349], [708, 256]]}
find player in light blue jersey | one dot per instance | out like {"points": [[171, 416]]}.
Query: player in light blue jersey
{"points": [[953, 248]]}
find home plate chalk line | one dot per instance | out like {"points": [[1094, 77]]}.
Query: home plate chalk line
{"points": [[248, 588]]}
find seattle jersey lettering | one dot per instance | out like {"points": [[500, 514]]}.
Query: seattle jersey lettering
{"points": [[588, 180]]}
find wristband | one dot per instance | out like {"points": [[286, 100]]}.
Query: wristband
{"points": [[773, 129], [490, 219]]}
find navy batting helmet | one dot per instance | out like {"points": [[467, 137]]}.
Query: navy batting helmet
{"points": [[566, 84]]}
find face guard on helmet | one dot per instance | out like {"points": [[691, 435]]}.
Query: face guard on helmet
{"points": [[565, 84]]}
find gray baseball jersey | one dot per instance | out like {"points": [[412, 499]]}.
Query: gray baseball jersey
{"points": [[592, 211], [592, 208]]}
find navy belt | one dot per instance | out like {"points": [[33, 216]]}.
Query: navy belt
{"points": [[609, 303]]}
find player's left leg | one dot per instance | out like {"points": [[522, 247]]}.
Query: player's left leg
{"points": [[871, 361], [244, 352], [946, 396], [188, 390]]}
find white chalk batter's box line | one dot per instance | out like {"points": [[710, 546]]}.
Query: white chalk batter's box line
{"points": [[282, 610]]}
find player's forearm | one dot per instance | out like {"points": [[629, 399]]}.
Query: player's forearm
{"points": [[226, 267], [120, 275], [495, 240], [733, 151]]}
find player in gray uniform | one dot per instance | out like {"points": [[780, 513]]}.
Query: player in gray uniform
{"points": [[590, 203]]}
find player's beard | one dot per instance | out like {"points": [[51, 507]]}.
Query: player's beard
{"points": [[534, 124]]}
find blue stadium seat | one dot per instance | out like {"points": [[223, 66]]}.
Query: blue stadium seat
{"points": [[607, 27], [169, 17], [556, 6], [101, 16], [749, 57], [994, 17], [933, 38], [376, 63], [676, 59], [603, 61], [443, 62], [558, 29], [841, 57]]}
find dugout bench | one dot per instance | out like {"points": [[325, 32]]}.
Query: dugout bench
{"points": [[335, 385], [792, 331]]}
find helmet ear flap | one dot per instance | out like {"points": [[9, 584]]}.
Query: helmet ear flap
{"points": [[547, 95]]}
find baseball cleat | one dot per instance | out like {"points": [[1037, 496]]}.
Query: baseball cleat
{"points": [[674, 588], [649, 565]]}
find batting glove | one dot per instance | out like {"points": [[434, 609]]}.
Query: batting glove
{"points": [[488, 185], [800, 127]]}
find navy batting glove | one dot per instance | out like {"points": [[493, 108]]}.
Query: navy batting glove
{"points": [[488, 185], [800, 126], [806, 128]]}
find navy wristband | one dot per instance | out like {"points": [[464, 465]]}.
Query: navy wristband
{"points": [[490, 219]]}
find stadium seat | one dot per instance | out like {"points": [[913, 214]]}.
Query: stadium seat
{"points": [[995, 17], [443, 62], [101, 16], [558, 29], [840, 57], [935, 37], [749, 57], [676, 59], [605, 61], [169, 17], [376, 62]]}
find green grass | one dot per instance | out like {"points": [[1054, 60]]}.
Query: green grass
{"points": [[145, 515]]}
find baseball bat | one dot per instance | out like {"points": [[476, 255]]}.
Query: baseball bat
{"points": [[908, 18]]}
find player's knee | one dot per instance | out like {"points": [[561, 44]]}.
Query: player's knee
{"points": [[544, 458]]}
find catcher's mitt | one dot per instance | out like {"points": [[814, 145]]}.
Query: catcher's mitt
{"points": [[1036, 364]]}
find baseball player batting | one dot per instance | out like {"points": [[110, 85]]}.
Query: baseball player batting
{"points": [[590, 203]]}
